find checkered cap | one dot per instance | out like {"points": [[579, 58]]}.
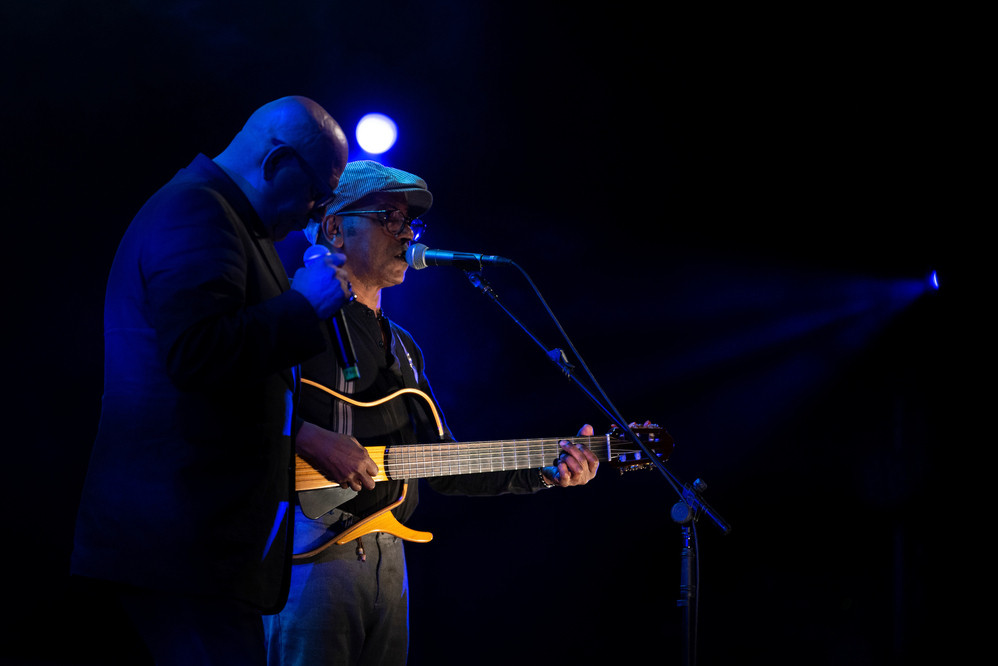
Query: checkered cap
{"points": [[365, 177]]}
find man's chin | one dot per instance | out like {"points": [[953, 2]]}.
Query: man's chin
{"points": [[400, 276]]}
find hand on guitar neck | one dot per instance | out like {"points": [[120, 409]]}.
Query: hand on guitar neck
{"points": [[575, 466], [339, 457]]}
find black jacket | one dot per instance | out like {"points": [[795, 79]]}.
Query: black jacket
{"points": [[189, 483]]}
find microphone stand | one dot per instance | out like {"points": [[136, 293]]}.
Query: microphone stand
{"points": [[556, 356], [685, 513]]}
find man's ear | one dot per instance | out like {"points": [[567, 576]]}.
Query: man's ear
{"points": [[272, 159], [332, 230]]}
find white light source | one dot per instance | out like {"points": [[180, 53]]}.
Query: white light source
{"points": [[376, 133]]}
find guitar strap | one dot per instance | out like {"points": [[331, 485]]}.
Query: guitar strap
{"points": [[315, 503], [406, 370], [343, 411]]}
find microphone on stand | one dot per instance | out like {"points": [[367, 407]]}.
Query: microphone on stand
{"points": [[344, 344], [419, 257]]}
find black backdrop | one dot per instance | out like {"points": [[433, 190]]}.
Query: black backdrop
{"points": [[728, 213]]}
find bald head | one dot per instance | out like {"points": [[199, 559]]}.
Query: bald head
{"points": [[289, 151], [298, 122]]}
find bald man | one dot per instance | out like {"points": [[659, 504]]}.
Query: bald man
{"points": [[186, 505]]}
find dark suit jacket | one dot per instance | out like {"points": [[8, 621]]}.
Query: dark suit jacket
{"points": [[191, 475]]}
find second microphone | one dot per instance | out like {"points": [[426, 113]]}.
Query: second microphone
{"points": [[340, 333]]}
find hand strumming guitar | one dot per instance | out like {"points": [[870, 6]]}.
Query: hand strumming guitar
{"points": [[340, 457]]}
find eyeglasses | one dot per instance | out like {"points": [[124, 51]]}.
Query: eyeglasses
{"points": [[321, 193], [394, 221]]}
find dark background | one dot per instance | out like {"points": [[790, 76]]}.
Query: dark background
{"points": [[732, 215]]}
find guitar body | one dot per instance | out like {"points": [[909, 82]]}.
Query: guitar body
{"points": [[318, 494]]}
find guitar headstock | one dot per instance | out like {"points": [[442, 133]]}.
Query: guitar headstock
{"points": [[625, 456]]}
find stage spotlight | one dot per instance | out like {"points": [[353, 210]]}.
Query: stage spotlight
{"points": [[376, 133], [934, 280]]}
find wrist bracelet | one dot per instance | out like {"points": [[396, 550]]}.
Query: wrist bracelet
{"points": [[544, 479]]}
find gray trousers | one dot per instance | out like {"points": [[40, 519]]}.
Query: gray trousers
{"points": [[342, 610]]}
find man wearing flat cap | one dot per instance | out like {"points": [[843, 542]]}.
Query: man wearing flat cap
{"points": [[348, 602]]}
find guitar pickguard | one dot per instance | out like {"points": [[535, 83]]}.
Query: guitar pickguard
{"points": [[315, 503]]}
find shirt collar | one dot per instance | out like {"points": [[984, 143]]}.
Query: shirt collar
{"points": [[205, 167]]}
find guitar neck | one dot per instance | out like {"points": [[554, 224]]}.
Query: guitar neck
{"points": [[422, 460]]}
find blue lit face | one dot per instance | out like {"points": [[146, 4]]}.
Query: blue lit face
{"points": [[296, 191]]}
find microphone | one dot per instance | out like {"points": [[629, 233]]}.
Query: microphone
{"points": [[343, 342], [419, 257]]}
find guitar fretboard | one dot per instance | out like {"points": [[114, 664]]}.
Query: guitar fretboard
{"points": [[422, 460]]}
